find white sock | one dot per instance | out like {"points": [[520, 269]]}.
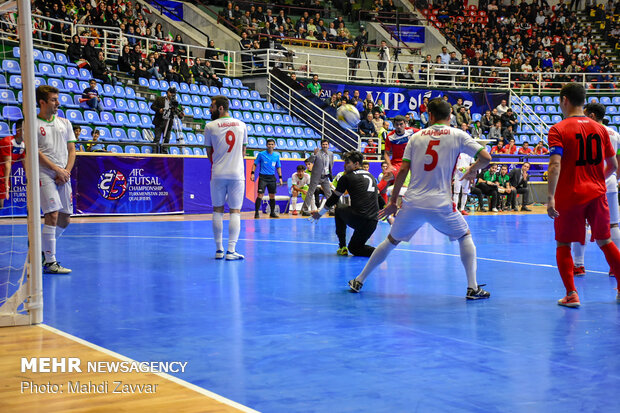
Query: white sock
{"points": [[234, 227], [48, 243], [463, 201], [468, 258], [378, 256], [455, 198], [615, 235], [294, 203], [218, 228], [579, 251], [59, 231]]}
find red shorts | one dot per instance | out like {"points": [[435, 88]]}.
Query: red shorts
{"points": [[2, 188], [570, 226]]}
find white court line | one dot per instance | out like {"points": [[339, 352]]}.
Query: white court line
{"points": [[166, 376], [324, 243]]}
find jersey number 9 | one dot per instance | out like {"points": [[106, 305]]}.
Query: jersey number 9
{"points": [[230, 140]]}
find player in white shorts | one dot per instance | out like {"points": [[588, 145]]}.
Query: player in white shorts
{"points": [[56, 143], [431, 155], [460, 185], [596, 111], [226, 139]]}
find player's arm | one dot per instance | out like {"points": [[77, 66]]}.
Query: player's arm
{"points": [[391, 207], [61, 173], [341, 188], [210, 153], [257, 161], [611, 165], [483, 158], [553, 174], [387, 154], [71, 158]]}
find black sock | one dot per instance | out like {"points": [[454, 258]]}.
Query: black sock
{"points": [[272, 205], [257, 204]]}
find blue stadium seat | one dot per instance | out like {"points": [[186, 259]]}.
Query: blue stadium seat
{"points": [[234, 93], [254, 95], [247, 105], [132, 149], [238, 84], [143, 82], [235, 104], [214, 91], [616, 100], [299, 133], [11, 66], [187, 151], [291, 144], [250, 129], [258, 106], [122, 119], [236, 114], [197, 112], [281, 143], [92, 117], [173, 150], [556, 118], [611, 110], [62, 59], [121, 105], [310, 144], [184, 87], [204, 90], [258, 117], [86, 133], [185, 100], [61, 71], [227, 82], [536, 100], [3, 82], [301, 144], [262, 142], [7, 97], [295, 155], [269, 131], [114, 148], [72, 86], [552, 109], [4, 130], [147, 149], [134, 120], [198, 151], [104, 134], [540, 109], [57, 83], [108, 90], [15, 81], [194, 89], [12, 113], [130, 93], [206, 101], [200, 139], [605, 100], [132, 106], [615, 120], [592, 99], [145, 121], [109, 103], [546, 119], [277, 118], [144, 108], [154, 84], [37, 55], [187, 111], [164, 85], [45, 69], [289, 132], [134, 135], [525, 99], [196, 101], [247, 117], [267, 118], [547, 100], [252, 142], [190, 138], [268, 107], [85, 74], [259, 130], [107, 118], [309, 133], [120, 134], [476, 116], [66, 101], [245, 94], [287, 120], [225, 91], [72, 72]]}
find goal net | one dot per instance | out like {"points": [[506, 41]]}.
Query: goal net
{"points": [[20, 265]]}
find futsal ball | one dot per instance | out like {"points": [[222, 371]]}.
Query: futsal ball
{"points": [[348, 116]]}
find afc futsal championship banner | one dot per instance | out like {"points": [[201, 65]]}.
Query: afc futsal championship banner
{"points": [[400, 100], [127, 185], [16, 204]]}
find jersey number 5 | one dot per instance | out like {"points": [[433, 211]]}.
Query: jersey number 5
{"points": [[434, 156], [230, 140], [585, 149]]}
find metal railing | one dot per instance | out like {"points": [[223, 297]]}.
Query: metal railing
{"points": [[527, 116], [313, 115]]}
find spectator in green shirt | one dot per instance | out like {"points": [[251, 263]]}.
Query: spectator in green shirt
{"points": [[315, 86], [488, 185], [504, 188]]}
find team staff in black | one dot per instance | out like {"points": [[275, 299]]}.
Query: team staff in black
{"points": [[362, 214]]}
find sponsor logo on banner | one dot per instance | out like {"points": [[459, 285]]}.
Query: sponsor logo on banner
{"points": [[112, 185]]}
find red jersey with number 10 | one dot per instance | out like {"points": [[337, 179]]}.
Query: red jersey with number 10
{"points": [[584, 145]]}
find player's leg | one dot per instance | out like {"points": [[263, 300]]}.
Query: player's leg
{"points": [[271, 187], [405, 225], [525, 193], [218, 197], [342, 218], [612, 201], [456, 189], [326, 186], [597, 213], [259, 197], [294, 195], [579, 252], [452, 224], [236, 193], [53, 201], [309, 201], [570, 226], [465, 187], [363, 230]]}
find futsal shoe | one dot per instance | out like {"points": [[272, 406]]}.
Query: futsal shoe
{"points": [[477, 293], [571, 300], [463, 212], [355, 285], [294, 212], [219, 254], [526, 209], [233, 256], [344, 251], [256, 215], [55, 268], [305, 214], [274, 215], [579, 270]]}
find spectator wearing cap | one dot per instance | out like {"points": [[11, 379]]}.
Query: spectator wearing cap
{"points": [[166, 109]]}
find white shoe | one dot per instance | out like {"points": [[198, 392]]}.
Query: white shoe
{"points": [[219, 254], [55, 268], [494, 210], [233, 256]]}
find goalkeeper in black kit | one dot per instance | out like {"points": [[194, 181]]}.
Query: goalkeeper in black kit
{"points": [[362, 214]]}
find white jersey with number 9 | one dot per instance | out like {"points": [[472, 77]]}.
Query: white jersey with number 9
{"points": [[227, 136]]}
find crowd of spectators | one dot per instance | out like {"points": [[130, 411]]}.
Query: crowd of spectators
{"points": [[532, 38]]}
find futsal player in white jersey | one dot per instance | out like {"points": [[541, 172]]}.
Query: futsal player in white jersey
{"points": [[56, 142], [462, 163], [596, 112], [431, 155], [226, 139]]}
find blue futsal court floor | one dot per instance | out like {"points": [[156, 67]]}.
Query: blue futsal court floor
{"points": [[279, 332]]}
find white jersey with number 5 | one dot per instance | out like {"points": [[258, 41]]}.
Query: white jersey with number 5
{"points": [[227, 136], [612, 181], [432, 154]]}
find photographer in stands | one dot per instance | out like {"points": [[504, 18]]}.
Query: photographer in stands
{"points": [[384, 60], [166, 109]]}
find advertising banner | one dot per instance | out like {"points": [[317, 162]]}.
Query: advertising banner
{"points": [[16, 204], [408, 34], [400, 100], [129, 185]]}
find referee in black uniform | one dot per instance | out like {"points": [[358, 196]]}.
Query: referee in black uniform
{"points": [[362, 214]]}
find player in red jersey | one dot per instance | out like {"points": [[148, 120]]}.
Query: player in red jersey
{"points": [[12, 149], [582, 157], [395, 144]]}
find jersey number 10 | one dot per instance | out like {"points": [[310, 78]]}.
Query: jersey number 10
{"points": [[585, 155]]}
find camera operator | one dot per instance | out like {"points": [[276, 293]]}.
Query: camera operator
{"points": [[353, 53], [384, 60], [166, 109]]}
